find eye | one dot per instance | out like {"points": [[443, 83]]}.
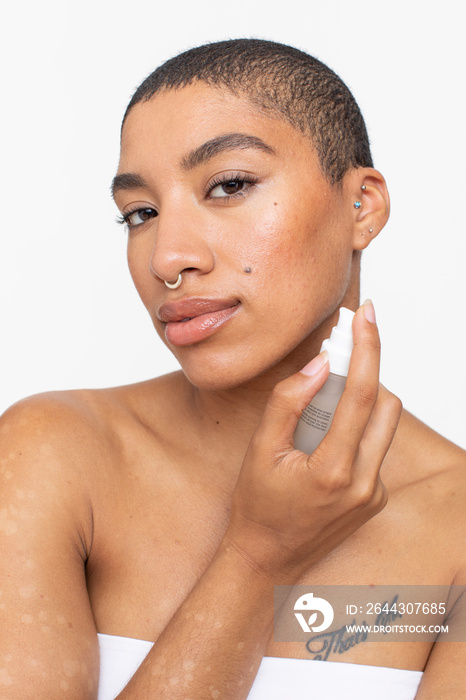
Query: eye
{"points": [[225, 187], [138, 216]]}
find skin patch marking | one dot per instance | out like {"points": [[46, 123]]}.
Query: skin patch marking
{"points": [[5, 678], [46, 451], [71, 668], [27, 591], [9, 527]]}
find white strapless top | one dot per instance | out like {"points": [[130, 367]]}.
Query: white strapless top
{"points": [[277, 678]]}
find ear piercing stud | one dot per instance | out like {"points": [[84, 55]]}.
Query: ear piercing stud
{"points": [[358, 205]]}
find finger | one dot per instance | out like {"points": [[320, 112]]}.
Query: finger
{"points": [[362, 472], [286, 403], [379, 432], [360, 395]]}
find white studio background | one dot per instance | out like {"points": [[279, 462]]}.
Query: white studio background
{"points": [[69, 316]]}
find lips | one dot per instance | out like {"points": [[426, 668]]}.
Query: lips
{"points": [[189, 321]]}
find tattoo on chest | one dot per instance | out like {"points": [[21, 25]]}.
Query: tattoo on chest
{"points": [[349, 635]]}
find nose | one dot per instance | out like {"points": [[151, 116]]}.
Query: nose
{"points": [[180, 246]]}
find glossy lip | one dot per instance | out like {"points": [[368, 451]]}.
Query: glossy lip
{"points": [[189, 321], [192, 307]]}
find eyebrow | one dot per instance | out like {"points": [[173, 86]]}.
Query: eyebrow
{"points": [[127, 181], [196, 157], [224, 142]]}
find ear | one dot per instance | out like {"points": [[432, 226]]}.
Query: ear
{"points": [[368, 187]]}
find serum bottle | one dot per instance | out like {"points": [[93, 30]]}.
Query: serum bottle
{"points": [[318, 415]]}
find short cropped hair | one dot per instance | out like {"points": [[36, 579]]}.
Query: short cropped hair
{"points": [[283, 81]]}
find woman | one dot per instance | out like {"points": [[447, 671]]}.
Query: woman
{"points": [[167, 511]]}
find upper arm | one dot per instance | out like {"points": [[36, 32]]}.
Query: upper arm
{"points": [[48, 641], [445, 672]]}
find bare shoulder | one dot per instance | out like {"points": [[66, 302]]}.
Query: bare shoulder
{"points": [[83, 421], [46, 527], [72, 439], [50, 445], [54, 433], [51, 414], [57, 452], [443, 499], [426, 476], [422, 455]]}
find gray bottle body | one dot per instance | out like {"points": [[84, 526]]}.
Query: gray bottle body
{"points": [[317, 417]]}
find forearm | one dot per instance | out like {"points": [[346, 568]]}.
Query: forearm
{"points": [[215, 642]]}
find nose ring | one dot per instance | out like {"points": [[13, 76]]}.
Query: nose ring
{"points": [[174, 285]]}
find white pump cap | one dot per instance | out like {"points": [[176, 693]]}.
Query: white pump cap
{"points": [[340, 343]]}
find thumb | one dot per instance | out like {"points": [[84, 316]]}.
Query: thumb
{"points": [[287, 401]]}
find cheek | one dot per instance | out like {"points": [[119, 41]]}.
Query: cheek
{"points": [[285, 249], [272, 237], [303, 258]]}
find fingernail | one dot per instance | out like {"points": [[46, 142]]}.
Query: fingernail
{"points": [[315, 365], [369, 311]]}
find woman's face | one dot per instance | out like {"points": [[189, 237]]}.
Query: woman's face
{"points": [[234, 200]]}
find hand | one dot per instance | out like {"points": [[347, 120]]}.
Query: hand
{"points": [[290, 509]]}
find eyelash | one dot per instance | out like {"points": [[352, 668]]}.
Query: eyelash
{"points": [[227, 179], [123, 219]]}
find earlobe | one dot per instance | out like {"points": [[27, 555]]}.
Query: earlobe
{"points": [[371, 204]]}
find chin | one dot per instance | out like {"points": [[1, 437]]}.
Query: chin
{"points": [[223, 363], [206, 379], [219, 371]]}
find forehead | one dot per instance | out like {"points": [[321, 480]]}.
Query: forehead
{"points": [[175, 121]]}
